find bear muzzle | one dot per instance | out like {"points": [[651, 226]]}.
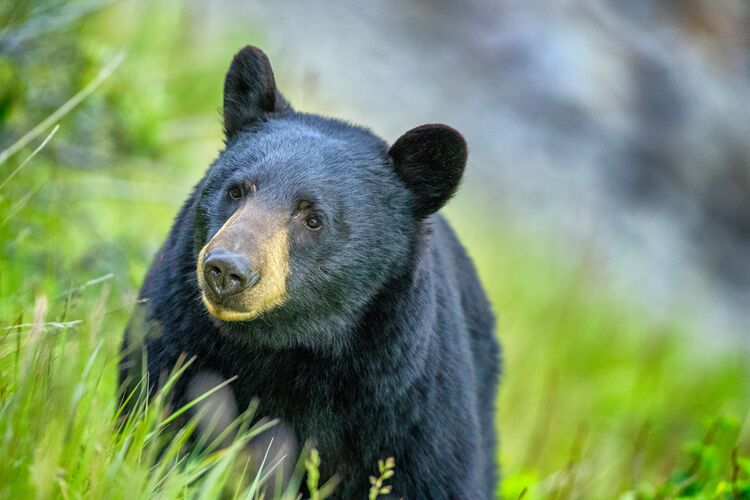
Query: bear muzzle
{"points": [[242, 271]]}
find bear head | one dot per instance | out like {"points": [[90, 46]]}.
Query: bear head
{"points": [[305, 219]]}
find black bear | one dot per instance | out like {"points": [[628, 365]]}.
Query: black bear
{"points": [[310, 263]]}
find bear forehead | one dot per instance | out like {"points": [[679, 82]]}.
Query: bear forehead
{"points": [[324, 148]]}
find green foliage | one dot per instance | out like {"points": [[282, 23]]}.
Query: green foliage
{"points": [[313, 475], [713, 469], [64, 433], [387, 470], [312, 468], [596, 402]]}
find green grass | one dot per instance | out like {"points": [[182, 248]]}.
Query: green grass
{"points": [[597, 400]]}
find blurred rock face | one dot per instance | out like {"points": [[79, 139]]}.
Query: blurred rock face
{"points": [[622, 128]]}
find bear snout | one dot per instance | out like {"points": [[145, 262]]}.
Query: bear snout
{"points": [[228, 273]]}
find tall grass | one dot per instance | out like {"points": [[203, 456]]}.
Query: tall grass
{"points": [[598, 399], [65, 433]]}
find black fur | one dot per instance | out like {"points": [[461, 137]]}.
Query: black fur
{"points": [[385, 344], [430, 159], [250, 91]]}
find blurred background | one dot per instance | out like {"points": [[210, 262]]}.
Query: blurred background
{"points": [[606, 201]]}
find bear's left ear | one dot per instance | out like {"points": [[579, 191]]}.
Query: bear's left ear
{"points": [[250, 91], [430, 159]]}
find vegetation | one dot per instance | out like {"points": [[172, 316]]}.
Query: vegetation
{"points": [[596, 402]]}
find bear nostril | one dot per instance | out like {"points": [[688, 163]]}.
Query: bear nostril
{"points": [[253, 279], [235, 278]]}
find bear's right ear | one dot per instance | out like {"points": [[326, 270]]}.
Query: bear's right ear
{"points": [[430, 160], [250, 91]]}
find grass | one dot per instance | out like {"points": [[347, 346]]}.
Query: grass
{"points": [[597, 400]]}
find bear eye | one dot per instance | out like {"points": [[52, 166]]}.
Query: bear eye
{"points": [[313, 222], [235, 193]]}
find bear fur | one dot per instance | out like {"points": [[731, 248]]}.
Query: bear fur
{"points": [[380, 340]]}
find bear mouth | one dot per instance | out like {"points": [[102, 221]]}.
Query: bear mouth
{"points": [[225, 312]]}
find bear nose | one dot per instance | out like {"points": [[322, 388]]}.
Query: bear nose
{"points": [[228, 273]]}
